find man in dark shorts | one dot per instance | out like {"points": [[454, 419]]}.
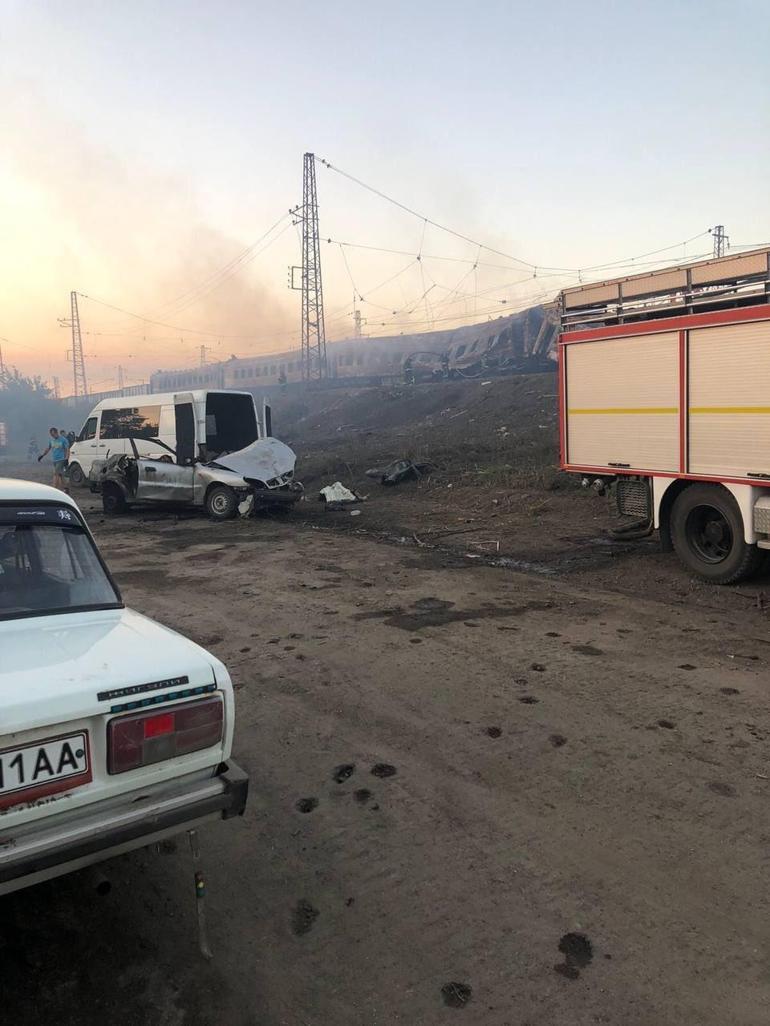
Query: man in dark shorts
{"points": [[59, 449]]}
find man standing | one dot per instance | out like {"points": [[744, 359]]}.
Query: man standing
{"points": [[59, 450]]}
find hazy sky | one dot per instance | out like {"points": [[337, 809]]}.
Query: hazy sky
{"points": [[146, 144]]}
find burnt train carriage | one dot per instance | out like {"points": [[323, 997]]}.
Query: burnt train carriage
{"points": [[506, 343]]}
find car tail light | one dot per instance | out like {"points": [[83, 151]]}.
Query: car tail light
{"points": [[145, 738]]}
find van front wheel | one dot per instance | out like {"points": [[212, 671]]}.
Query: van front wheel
{"points": [[221, 503], [76, 475], [707, 532]]}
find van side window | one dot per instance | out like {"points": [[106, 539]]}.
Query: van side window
{"points": [[137, 422], [89, 430]]}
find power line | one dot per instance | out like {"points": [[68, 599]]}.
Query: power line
{"points": [[490, 249], [164, 324]]}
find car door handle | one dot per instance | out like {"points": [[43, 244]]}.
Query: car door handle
{"points": [[149, 470]]}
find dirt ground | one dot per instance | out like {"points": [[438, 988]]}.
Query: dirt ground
{"points": [[532, 794]]}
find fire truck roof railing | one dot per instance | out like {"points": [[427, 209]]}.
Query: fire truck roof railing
{"points": [[738, 279]]}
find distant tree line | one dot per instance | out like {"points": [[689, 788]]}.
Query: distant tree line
{"points": [[28, 409]]}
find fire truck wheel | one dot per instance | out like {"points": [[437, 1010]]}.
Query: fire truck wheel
{"points": [[707, 531]]}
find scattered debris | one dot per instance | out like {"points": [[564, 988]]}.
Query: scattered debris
{"points": [[337, 495], [400, 470], [383, 769], [246, 507]]}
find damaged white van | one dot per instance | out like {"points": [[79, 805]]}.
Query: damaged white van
{"points": [[202, 448], [115, 732]]}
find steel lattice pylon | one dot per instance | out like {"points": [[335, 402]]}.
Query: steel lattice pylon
{"points": [[720, 240], [313, 329], [78, 360]]}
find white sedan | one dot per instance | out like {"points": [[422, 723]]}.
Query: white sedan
{"points": [[115, 732]]}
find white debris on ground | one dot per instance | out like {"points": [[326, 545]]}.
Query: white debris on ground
{"points": [[338, 493], [245, 507]]}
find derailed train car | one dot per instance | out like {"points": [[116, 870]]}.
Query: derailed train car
{"points": [[518, 342]]}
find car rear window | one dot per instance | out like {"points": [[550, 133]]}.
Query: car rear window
{"points": [[49, 564]]}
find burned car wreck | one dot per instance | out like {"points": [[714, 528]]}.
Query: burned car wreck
{"points": [[259, 476]]}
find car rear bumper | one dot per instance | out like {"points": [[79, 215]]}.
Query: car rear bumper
{"points": [[68, 842]]}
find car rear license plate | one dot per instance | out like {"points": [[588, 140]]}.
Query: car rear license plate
{"points": [[44, 767]]}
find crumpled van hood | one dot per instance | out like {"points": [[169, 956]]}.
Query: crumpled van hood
{"points": [[263, 460]]}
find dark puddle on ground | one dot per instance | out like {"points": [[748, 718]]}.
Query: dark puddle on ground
{"points": [[303, 917], [434, 612], [456, 995], [343, 772], [306, 805], [578, 953]]}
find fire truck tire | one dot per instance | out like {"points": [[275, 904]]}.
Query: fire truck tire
{"points": [[708, 537]]}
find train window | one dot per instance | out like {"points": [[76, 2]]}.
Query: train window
{"points": [[272, 368], [359, 360]]}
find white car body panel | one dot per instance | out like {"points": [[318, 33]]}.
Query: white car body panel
{"points": [[263, 460], [59, 674]]}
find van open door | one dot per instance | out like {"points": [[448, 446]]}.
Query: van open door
{"points": [[184, 417]]}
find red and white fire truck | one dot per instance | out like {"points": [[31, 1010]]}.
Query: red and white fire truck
{"points": [[664, 384]]}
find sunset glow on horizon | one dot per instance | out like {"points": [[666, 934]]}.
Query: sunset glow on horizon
{"points": [[146, 147]]}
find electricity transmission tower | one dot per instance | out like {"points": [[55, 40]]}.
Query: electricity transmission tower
{"points": [[56, 388], [313, 329], [358, 323], [78, 359], [721, 241]]}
